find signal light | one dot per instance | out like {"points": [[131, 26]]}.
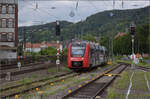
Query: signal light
{"points": [[132, 30], [57, 28]]}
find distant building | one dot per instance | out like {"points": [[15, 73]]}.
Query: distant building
{"points": [[8, 29], [37, 47], [120, 34]]}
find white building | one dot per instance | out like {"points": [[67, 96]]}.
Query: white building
{"points": [[8, 29], [37, 47]]}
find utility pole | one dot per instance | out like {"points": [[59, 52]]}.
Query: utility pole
{"points": [[112, 49], [24, 42]]}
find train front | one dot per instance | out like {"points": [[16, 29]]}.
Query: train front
{"points": [[78, 57]]}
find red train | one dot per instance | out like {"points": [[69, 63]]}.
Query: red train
{"points": [[85, 55]]}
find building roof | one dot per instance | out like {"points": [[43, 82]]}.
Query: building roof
{"points": [[41, 45], [9, 1]]}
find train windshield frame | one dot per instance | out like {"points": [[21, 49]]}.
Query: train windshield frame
{"points": [[78, 50]]}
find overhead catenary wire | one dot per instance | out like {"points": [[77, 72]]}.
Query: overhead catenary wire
{"points": [[90, 2]]}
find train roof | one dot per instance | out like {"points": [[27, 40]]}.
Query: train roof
{"points": [[94, 46]]}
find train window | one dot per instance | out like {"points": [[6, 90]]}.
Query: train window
{"points": [[77, 51], [3, 23], [3, 9], [3, 37]]}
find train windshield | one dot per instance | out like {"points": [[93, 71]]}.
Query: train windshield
{"points": [[77, 51]]}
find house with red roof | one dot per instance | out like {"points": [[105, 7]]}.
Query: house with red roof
{"points": [[37, 47]]}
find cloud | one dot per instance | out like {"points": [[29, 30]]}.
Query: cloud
{"points": [[50, 11]]}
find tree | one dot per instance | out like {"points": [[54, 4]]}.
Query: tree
{"points": [[89, 37], [49, 51]]}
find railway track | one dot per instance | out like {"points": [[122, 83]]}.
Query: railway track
{"points": [[96, 86], [13, 90], [13, 66], [137, 66], [15, 73], [143, 68]]}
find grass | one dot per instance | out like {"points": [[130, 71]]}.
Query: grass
{"points": [[141, 63], [138, 85], [112, 94], [139, 82], [60, 69], [124, 81], [52, 70], [60, 86]]}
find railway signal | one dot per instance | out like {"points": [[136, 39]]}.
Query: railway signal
{"points": [[57, 28], [132, 29]]}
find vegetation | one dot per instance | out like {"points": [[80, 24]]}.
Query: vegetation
{"points": [[49, 51], [89, 37], [120, 86], [98, 25]]}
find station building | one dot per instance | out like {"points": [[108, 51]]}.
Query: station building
{"points": [[8, 29]]}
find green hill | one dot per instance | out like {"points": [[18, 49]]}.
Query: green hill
{"points": [[100, 24]]}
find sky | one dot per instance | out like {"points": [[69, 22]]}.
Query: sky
{"points": [[41, 12]]}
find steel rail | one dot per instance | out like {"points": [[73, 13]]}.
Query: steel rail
{"points": [[41, 80], [101, 75], [105, 86], [38, 86]]}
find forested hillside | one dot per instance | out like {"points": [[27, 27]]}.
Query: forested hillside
{"points": [[99, 25]]}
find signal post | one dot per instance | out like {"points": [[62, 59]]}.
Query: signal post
{"points": [[58, 42], [132, 31]]}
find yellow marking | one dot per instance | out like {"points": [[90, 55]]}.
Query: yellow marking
{"points": [[109, 62], [86, 82], [63, 80], [69, 91], [16, 96], [97, 97], [80, 86], [51, 84], [37, 89], [111, 75], [40, 92]]}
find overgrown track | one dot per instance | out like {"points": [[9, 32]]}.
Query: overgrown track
{"points": [[14, 73], [143, 68], [13, 66], [137, 67], [97, 86], [11, 91]]}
